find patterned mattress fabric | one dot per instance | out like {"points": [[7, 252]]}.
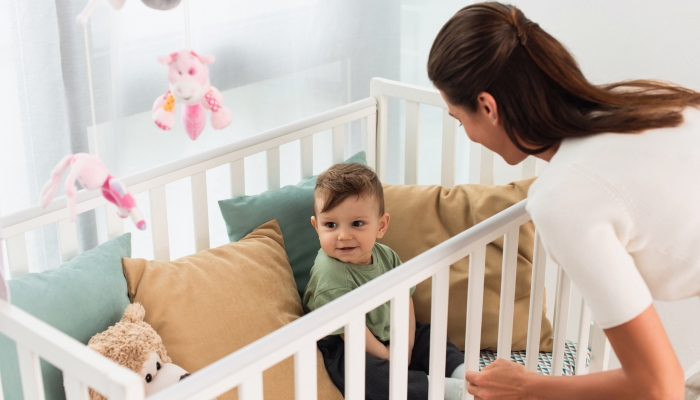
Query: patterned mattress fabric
{"points": [[544, 360]]}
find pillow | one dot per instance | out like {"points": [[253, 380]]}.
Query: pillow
{"points": [[443, 214], [81, 298], [212, 303], [292, 206]]}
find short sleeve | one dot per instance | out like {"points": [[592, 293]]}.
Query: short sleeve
{"points": [[323, 298], [585, 226]]}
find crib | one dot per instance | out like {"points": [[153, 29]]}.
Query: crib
{"points": [[83, 368]]}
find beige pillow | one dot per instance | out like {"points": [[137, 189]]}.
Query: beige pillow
{"points": [[424, 216], [210, 304]]}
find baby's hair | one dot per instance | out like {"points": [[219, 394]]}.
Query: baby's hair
{"points": [[344, 180]]}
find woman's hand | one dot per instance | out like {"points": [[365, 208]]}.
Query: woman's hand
{"points": [[503, 380]]}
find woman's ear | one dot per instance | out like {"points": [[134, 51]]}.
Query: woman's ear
{"points": [[383, 225]]}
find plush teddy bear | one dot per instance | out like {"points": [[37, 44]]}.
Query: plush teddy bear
{"points": [[135, 344]]}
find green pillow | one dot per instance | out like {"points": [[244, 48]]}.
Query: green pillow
{"points": [[292, 206], [81, 298]]}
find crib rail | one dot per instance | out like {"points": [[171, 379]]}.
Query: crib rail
{"points": [[153, 181], [81, 366]]}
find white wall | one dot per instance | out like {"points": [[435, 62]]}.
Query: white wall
{"points": [[612, 40]]}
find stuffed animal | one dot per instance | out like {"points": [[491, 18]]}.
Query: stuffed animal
{"points": [[156, 4], [189, 83], [92, 174], [134, 344]]}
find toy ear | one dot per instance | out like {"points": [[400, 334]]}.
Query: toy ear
{"points": [[134, 313], [167, 59], [208, 59]]}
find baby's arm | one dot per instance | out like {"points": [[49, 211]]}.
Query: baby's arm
{"points": [[411, 328], [373, 346]]}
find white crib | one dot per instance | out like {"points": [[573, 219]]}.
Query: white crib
{"points": [[83, 368]]}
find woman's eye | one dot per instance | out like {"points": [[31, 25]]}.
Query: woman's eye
{"points": [[149, 378], [357, 223], [330, 225], [157, 366]]}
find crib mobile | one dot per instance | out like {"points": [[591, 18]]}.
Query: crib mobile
{"points": [[189, 83]]}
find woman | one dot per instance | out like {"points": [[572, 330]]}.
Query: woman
{"points": [[617, 207]]}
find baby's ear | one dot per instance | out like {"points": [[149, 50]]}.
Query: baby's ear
{"points": [[313, 222], [383, 225]]}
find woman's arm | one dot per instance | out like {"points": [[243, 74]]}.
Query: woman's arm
{"points": [[373, 346], [650, 370]]}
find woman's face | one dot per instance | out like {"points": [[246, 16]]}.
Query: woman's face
{"points": [[484, 126]]}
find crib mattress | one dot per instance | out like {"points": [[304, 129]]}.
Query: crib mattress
{"points": [[544, 359]]}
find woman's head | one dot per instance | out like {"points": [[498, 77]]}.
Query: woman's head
{"points": [[506, 78]]}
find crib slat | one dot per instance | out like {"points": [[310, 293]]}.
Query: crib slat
{"points": [[252, 388], [237, 177], [305, 373], [508, 275], [200, 211], [75, 390], [529, 167], [398, 368], [584, 330], [371, 140], [411, 153], [600, 349], [382, 134], [438, 332], [561, 320], [67, 239], [449, 149], [273, 168], [2, 393], [534, 323], [17, 255], [30, 371], [355, 359], [307, 156], [159, 224], [480, 164], [338, 144], [115, 225], [475, 301]]}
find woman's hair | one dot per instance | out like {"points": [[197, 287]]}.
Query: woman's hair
{"points": [[344, 180], [542, 95]]}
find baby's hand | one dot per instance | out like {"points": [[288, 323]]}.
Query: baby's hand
{"points": [[388, 352]]}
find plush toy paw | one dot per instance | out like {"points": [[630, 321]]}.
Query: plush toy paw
{"points": [[221, 118], [163, 119]]}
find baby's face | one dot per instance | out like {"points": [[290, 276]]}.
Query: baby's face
{"points": [[348, 232]]}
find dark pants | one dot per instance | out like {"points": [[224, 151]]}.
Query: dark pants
{"points": [[377, 369]]}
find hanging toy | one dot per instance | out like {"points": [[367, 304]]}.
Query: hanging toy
{"points": [[92, 174], [156, 4], [189, 83]]}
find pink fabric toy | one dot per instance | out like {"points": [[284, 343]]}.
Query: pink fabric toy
{"points": [[92, 174], [189, 83]]}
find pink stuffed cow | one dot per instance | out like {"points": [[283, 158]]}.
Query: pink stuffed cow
{"points": [[189, 83]]}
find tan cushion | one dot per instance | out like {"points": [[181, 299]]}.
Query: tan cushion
{"points": [[424, 216], [210, 304]]}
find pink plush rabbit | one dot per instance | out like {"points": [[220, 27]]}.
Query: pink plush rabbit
{"points": [[189, 83], [92, 174]]}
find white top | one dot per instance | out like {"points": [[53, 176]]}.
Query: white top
{"points": [[620, 213]]}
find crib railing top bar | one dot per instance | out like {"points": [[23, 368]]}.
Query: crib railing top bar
{"points": [[284, 342], [63, 351], [418, 94], [87, 200]]}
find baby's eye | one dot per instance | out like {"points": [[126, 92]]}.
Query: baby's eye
{"points": [[331, 225], [149, 378], [357, 223], [157, 366]]}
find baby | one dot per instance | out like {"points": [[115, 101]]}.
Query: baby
{"points": [[349, 218]]}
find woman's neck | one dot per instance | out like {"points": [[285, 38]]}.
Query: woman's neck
{"points": [[549, 153]]}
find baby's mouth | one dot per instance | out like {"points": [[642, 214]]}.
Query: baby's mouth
{"points": [[346, 249]]}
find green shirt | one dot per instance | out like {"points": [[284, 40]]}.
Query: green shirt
{"points": [[332, 278]]}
